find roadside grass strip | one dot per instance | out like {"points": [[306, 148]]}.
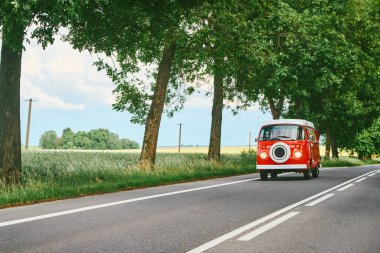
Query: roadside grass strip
{"points": [[320, 200], [361, 179], [345, 187], [208, 245], [267, 227], [40, 217]]}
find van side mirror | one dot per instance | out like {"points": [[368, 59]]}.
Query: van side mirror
{"points": [[256, 139]]}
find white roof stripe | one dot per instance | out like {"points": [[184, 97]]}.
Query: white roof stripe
{"points": [[301, 122]]}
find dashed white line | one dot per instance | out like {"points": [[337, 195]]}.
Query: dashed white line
{"points": [[361, 179], [370, 175], [320, 199], [236, 232], [267, 227], [345, 187]]}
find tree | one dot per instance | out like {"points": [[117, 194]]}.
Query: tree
{"points": [[214, 49], [15, 18], [348, 97], [129, 144], [151, 34], [49, 140], [367, 142], [67, 139]]}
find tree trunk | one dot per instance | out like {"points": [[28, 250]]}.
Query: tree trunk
{"points": [[275, 109], [10, 136], [299, 108], [328, 145], [216, 119], [152, 126], [334, 147]]}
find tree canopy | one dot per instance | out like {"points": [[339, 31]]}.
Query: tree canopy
{"points": [[98, 139]]}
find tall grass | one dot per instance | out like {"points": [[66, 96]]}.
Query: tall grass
{"points": [[62, 174], [57, 175], [346, 162]]}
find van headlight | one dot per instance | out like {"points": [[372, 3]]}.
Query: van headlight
{"points": [[263, 155], [297, 154]]}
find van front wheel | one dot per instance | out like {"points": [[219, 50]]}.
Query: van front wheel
{"points": [[263, 175]]}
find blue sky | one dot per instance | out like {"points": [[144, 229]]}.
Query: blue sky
{"points": [[70, 92]]}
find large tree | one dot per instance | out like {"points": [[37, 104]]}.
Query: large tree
{"points": [[44, 18], [215, 46], [142, 38]]}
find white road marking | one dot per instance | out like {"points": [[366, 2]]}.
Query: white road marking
{"points": [[345, 187], [320, 200], [267, 227], [40, 217], [232, 234], [372, 174], [83, 209], [361, 179]]}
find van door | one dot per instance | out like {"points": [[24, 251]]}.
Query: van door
{"points": [[314, 147]]}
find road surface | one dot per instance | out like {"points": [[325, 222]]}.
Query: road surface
{"points": [[338, 212]]}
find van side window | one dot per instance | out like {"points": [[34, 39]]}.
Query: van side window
{"points": [[311, 135]]}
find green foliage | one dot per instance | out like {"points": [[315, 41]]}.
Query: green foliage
{"points": [[58, 175], [367, 142], [98, 139], [49, 140], [133, 34], [346, 162], [43, 18]]}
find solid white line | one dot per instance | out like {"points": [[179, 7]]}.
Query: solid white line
{"points": [[345, 187], [40, 217], [372, 174], [320, 200], [361, 179], [232, 234], [267, 227]]}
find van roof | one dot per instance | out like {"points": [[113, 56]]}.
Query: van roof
{"points": [[301, 122]]}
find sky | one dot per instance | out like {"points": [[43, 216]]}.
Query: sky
{"points": [[70, 92]]}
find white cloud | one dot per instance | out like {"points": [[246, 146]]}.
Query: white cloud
{"points": [[65, 64], [60, 74], [28, 90], [198, 101]]}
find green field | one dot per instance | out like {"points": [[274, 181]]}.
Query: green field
{"points": [[51, 175]]}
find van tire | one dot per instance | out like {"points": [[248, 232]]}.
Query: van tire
{"points": [[273, 175], [316, 172], [307, 174], [263, 175]]}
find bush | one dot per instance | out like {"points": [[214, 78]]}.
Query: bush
{"points": [[49, 140], [368, 141]]}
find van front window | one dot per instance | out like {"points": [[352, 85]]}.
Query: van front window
{"points": [[281, 132]]}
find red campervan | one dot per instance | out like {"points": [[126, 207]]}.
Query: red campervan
{"points": [[288, 145]]}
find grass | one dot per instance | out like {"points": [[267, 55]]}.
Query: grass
{"points": [[347, 162], [52, 175], [60, 174]]}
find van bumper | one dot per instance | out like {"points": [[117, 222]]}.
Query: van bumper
{"points": [[282, 167]]}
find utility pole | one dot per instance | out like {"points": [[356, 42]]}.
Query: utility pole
{"points": [[249, 141], [28, 126], [179, 137]]}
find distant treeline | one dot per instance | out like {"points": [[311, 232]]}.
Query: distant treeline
{"points": [[94, 139]]}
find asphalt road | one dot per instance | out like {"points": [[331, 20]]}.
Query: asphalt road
{"points": [[338, 212]]}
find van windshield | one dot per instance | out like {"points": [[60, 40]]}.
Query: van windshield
{"points": [[281, 132]]}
